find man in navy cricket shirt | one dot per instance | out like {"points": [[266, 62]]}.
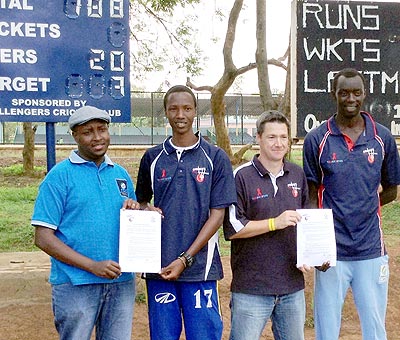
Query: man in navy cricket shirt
{"points": [[192, 184], [352, 166]]}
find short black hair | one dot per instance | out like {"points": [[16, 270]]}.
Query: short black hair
{"points": [[348, 73], [179, 88], [271, 116]]}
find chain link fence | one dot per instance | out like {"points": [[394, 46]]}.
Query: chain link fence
{"points": [[149, 126]]}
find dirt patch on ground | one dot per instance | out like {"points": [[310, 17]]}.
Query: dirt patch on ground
{"points": [[25, 300], [25, 295]]}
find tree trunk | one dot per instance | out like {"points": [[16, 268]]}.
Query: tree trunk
{"points": [[231, 72], [267, 101], [218, 111], [28, 153], [284, 105]]}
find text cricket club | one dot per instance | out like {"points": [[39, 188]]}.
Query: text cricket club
{"points": [[60, 108]]}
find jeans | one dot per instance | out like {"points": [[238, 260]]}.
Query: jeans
{"points": [[368, 280], [250, 313], [107, 307]]}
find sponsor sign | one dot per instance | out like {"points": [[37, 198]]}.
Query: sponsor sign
{"points": [[56, 56]]}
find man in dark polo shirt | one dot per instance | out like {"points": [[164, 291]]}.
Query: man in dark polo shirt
{"points": [[266, 283]]}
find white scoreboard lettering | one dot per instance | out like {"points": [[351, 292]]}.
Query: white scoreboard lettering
{"points": [[332, 35], [71, 51]]}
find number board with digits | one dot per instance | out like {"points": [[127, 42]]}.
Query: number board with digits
{"points": [[58, 55]]}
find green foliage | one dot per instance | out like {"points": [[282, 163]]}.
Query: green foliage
{"points": [[390, 221], [162, 36], [140, 297], [224, 245], [17, 201], [192, 63], [390, 218], [18, 170], [9, 129], [16, 207], [169, 5], [294, 156], [309, 323]]}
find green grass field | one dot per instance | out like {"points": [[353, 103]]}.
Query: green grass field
{"points": [[17, 199]]}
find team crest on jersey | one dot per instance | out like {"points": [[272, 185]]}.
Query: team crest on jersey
{"points": [[295, 189], [200, 174], [371, 154], [123, 187]]}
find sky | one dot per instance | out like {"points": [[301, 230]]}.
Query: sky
{"points": [[278, 27]]}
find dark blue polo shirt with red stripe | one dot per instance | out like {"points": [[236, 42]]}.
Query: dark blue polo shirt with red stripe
{"points": [[348, 176], [186, 190]]}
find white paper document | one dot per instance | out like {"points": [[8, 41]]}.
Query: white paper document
{"points": [[316, 241], [140, 241]]}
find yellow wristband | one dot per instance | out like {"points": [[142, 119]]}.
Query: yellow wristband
{"points": [[271, 224]]}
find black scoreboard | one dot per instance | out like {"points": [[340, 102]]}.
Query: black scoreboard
{"points": [[331, 35]]}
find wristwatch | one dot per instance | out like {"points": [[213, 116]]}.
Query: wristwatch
{"points": [[188, 258]]}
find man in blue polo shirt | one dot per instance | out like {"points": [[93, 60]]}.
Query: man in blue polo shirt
{"points": [[76, 216], [262, 228], [352, 167], [192, 183]]}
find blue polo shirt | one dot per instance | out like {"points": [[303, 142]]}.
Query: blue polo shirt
{"points": [[82, 203], [348, 178], [265, 264], [186, 190]]}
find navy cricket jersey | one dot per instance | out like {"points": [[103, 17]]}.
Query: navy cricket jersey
{"points": [[348, 177], [186, 190], [265, 264]]}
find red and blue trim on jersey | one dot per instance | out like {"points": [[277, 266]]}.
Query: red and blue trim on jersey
{"points": [[186, 189], [348, 176]]}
